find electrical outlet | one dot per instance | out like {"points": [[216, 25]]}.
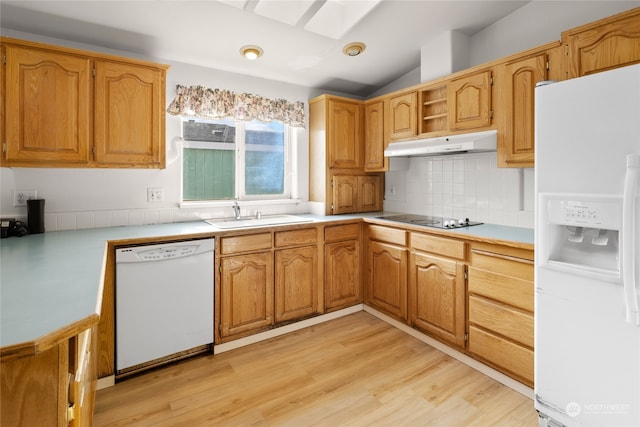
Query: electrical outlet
{"points": [[20, 197], [155, 195]]}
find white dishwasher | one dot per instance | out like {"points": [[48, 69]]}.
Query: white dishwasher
{"points": [[164, 303]]}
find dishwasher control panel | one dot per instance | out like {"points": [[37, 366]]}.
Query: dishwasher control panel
{"points": [[167, 253]]}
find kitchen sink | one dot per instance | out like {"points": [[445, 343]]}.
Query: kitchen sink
{"points": [[257, 222]]}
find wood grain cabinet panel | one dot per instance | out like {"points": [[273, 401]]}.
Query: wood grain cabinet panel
{"points": [[342, 287], [604, 44], [501, 304], [129, 115], [401, 115], [374, 138], [518, 80], [369, 193], [344, 134], [437, 295], [246, 293], [469, 101], [387, 278], [296, 286], [71, 108], [48, 106]]}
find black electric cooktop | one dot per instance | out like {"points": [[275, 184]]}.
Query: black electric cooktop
{"points": [[430, 221]]}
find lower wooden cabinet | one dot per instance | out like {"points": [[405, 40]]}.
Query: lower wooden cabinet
{"points": [[246, 293], [54, 387], [437, 295], [342, 263], [296, 283], [500, 303], [387, 258]]}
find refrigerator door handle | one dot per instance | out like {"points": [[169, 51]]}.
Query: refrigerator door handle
{"points": [[628, 239]]}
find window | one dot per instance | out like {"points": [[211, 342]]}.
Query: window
{"points": [[226, 159]]}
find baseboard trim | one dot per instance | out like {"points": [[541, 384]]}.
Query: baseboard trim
{"points": [[461, 357], [276, 332]]}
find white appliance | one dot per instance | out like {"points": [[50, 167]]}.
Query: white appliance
{"points": [[164, 303], [587, 267]]}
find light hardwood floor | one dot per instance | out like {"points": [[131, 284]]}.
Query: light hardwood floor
{"points": [[353, 371]]}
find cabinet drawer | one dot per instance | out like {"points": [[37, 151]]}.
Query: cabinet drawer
{"points": [[296, 237], [438, 245], [503, 262], [248, 243], [388, 235], [500, 287], [504, 320], [341, 232], [510, 356]]}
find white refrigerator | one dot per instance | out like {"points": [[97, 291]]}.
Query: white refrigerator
{"points": [[587, 266]]}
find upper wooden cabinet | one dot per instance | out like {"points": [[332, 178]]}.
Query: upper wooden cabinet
{"points": [[129, 115], [71, 108], [47, 106], [401, 115], [374, 137], [344, 134], [604, 44], [336, 146], [469, 101], [516, 81]]}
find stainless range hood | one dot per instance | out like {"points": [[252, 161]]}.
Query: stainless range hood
{"points": [[462, 143]]}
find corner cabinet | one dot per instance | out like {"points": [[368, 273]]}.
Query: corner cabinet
{"points": [[71, 108], [337, 174]]}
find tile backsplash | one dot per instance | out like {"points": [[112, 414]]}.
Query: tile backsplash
{"points": [[462, 186]]}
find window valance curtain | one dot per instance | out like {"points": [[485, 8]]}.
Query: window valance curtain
{"points": [[205, 103]]}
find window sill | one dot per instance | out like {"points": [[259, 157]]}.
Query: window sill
{"points": [[242, 203]]}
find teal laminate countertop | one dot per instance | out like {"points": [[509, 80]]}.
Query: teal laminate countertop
{"points": [[52, 280]]}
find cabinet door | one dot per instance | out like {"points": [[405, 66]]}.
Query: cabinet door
{"points": [[605, 44], [437, 295], [369, 193], [344, 134], [401, 116], [374, 139], [387, 278], [469, 101], [518, 80], [129, 115], [345, 194], [342, 274], [296, 283], [48, 107], [246, 290]]}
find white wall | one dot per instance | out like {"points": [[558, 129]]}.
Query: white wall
{"points": [[472, 185], [88, 198]]}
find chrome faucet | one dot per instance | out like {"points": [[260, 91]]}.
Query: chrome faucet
{"points": [[236, 209]]}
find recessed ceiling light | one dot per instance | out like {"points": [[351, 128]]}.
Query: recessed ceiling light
{"points": [[354, 49], [251, 52]]}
